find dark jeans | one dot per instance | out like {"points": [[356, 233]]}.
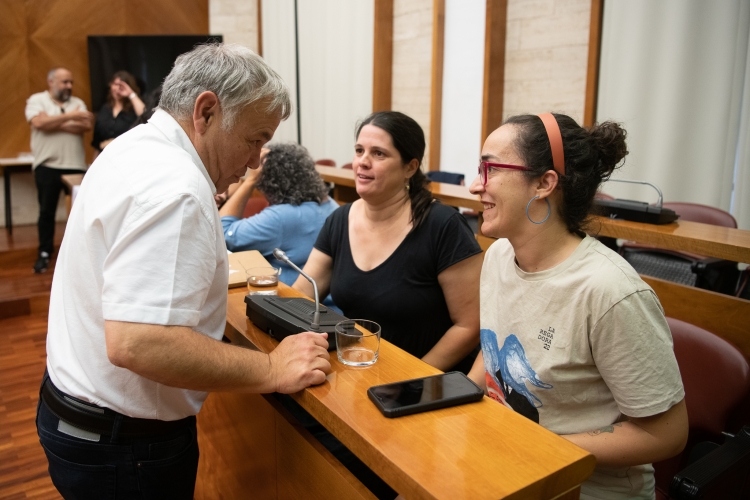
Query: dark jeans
{"points": [[48, 186], [154, 467]]}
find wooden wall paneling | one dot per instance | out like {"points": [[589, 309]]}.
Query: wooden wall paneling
{"points": [[592, 73], [724, 315], [14, 85], [167, 17], [494, 65], [382, 58], [39, 35], [57, 37], [436, 96]]}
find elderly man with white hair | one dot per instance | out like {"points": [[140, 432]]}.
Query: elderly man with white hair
{"points": [[138, 302]]}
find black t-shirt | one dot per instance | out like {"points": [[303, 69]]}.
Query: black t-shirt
{"points": [[109, 127], [402, 294]]}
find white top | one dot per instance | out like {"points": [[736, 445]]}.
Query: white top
{"points": [[576, 348], [55, 149], [143, 244]]}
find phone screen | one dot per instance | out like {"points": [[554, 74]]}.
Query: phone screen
{"points": [[423, 390]]}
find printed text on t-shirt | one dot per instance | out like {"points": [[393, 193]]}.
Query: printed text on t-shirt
{"points": [[546, 337]]}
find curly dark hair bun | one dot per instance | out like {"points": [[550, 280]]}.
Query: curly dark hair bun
{"points": [[610, 141], [591, 155]]}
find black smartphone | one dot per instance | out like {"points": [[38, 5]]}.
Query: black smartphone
{"points": [[424, 394]]}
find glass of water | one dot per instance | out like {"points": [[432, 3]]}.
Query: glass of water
{"points": [[263, 280], [357, 342]]}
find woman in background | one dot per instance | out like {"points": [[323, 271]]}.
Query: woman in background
{"points": [[120, 112], [571, 337], [398, 258], [299, 205]]}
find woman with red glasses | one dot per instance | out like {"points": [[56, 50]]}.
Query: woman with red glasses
{"points": [[571, 336]]}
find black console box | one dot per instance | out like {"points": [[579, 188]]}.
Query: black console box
{"points": [[637, 211], [280, 317]]}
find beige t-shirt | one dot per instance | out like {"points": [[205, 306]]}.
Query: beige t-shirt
{"points": [[55, 149], [576, 348]]}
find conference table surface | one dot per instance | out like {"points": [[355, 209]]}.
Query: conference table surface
{"points": [[476, 451]]}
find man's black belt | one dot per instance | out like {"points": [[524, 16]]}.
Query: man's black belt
{"points": [[102, 420]]}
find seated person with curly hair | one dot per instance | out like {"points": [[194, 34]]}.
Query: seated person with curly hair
{"points": [[299, 205]]}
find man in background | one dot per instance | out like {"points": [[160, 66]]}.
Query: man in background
{"points": [[139, 298], [58, 121]]}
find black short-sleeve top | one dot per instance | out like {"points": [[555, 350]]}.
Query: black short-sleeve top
{"points": [[109, 127], [402, 294]]}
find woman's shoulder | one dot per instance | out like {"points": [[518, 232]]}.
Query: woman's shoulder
{"points": [[441, 213], [608, 270]]}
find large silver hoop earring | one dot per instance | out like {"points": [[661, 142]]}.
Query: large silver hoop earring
{"points": [[549, 211]]}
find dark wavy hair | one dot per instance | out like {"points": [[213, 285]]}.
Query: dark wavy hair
{"points": [[130, 80], [408, 139], [289, 176], [591, 155]]}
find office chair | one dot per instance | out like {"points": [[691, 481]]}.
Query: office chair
{"points": [[716, 378], [446, 177], [684, 267], [347, 166], [326, 162], [255, 204]]}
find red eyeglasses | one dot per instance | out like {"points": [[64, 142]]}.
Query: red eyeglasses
{"points": [[485, 166]]}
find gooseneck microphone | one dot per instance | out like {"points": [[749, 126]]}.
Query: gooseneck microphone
{"points": [[281, 255], [659, 201]]}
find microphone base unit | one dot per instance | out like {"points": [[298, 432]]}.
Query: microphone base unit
{"points": [[636, 211], [280, 317]]}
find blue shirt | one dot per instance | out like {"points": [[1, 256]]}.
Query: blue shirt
{"points": [[293, 229]]}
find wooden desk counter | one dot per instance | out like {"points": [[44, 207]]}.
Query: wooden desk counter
{"points": [[475, 451], [703, 239]]}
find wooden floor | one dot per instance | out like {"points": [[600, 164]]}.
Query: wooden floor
{"points": [[23, 466]]}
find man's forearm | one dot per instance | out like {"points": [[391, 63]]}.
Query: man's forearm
{"points": [[75, 126], [49, 123], [180, 357]]}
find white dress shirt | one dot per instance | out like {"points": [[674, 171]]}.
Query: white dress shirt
{"points": [[143, 244]]}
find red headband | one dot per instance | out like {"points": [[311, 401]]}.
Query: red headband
{"points": [[555, 141]]}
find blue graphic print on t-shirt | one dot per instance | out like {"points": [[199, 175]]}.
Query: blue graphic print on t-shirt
{"points": [[507, 370]]}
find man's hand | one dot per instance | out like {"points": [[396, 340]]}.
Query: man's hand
{"points": [[300, 361]]}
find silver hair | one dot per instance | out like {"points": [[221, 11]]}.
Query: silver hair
{"points": [[237, 75]]}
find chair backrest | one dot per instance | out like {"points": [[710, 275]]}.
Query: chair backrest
{"points": [[716, 377], [715, 374], [446, 177], [696, 212], [255, 205], [326, 162], [347, 165]]}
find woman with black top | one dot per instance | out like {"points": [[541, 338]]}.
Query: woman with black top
{"points": [[119, 113], [396, 256]]}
